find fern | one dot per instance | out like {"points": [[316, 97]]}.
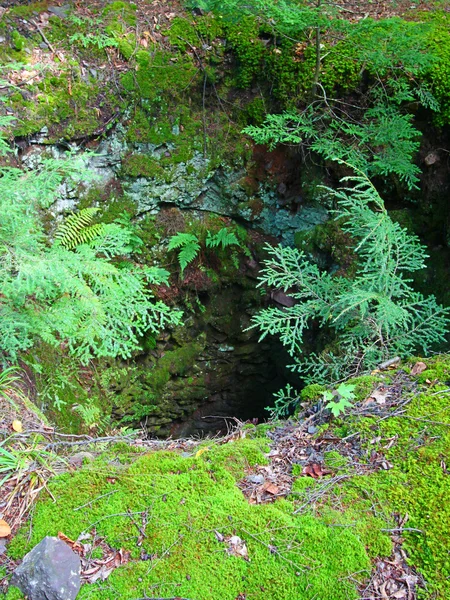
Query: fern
{"points": [[77, 229], [188, 245], [223, 238]]}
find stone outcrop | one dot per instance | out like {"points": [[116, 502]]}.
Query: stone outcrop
{"points": [[50, 571]]}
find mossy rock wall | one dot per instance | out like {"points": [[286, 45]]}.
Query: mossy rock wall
{"points": [[212, 366]]}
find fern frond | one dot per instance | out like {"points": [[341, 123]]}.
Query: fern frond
{"points": [[190, 247], [181, 239], [187, 255], [222, 238], [77, 229]]}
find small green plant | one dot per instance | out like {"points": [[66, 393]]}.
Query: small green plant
{"points": [[189, 244], [25, 462], [98, 40], [286, 400], [339, 399], [90, 34], [91, 415], [84, 290], [8, 377], [222, 238], [77, 229], [9, 463]]}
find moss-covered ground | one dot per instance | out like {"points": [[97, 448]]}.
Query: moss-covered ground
{"points": [[185, 503]]}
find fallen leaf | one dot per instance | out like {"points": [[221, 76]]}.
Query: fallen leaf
{"points": [[386, 465], [17, 426], [5, 529], [200, 452], [76, 546], [237, 547], [418, 368], [219, 536], [399, 594], [379, 395], [315, 471], [270, 488]]}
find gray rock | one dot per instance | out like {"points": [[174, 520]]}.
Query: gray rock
{"points": [[59, 11], [50, 571], [256, 479]]}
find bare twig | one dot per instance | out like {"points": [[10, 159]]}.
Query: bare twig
{"points": [[95, 499], [322, 490], [60, 56]]}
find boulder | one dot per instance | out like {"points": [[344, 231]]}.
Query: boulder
{"points": [[50, 571]]}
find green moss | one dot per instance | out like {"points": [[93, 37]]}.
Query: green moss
{"points": [[13, 593], [364, 385], [178, 361], [67, 105], [334, 460], [143, 165], [188, 499], [126, 11], [29, 9], [438, 74], [184, 31], [312, 393], [417, 484], [158, 73], [243, 38], [18, 41], [290, 71], [255, 112], [438, 370], [138, 127]]}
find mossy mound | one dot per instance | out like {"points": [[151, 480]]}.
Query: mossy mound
{"points": [[184, 508], [186, 501], [414, 482]]}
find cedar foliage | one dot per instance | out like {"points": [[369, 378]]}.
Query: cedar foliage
{"points": [[84, 291], [372, 317]]}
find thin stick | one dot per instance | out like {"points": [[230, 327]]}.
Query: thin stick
{"points": [[95, 499], [46, 41]]}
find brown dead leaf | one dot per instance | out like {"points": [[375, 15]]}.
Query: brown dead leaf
{"points": [[418, 368], [44, 19], [76, 546], [270, 488], [315, 471], [237, 547], [379, 395], [219, 536], [5, 529]]}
